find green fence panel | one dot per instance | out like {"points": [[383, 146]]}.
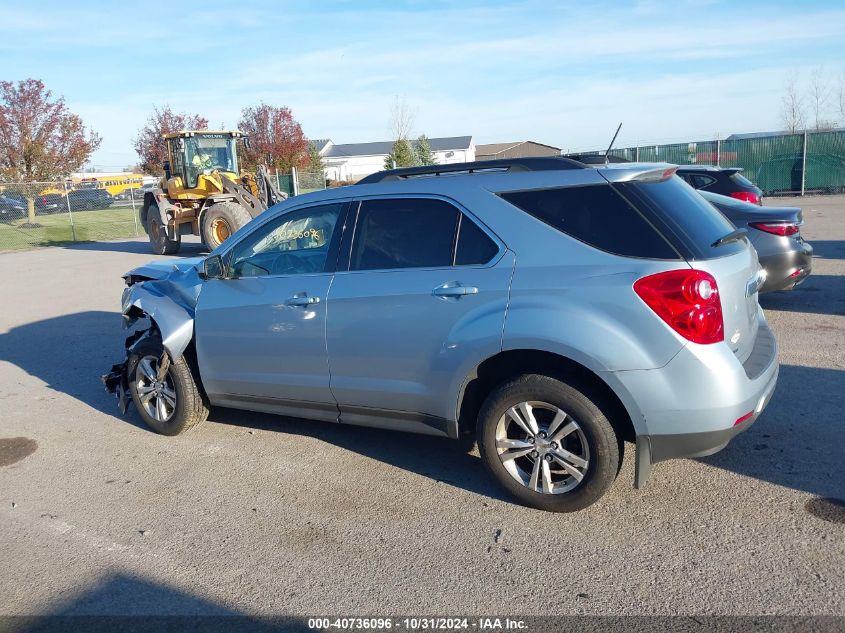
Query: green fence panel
{"points": [[825, 163], [773, 163]]}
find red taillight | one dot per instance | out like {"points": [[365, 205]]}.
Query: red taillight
{"points": [[747, 416], [43, 199], [688, 300], [776, 228], [746, 196]]}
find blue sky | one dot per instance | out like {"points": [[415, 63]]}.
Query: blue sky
{"points": [[563, 73]]}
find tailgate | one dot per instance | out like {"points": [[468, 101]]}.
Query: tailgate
{"points": [[738, 279]]}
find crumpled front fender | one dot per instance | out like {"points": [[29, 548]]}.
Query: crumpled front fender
{"points": [[175, 322]]}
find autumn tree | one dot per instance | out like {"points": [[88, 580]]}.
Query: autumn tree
{"points": [[40, 139], [275, 137], [150, 144]]}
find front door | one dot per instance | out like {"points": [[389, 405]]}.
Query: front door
{"points": [[261, 333]]}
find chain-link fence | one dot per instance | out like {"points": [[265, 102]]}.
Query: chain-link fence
{"points": [[55, 213], [301, 181], [780, 164]]}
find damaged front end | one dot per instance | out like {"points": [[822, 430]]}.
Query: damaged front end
{"points": [[165, 294]]}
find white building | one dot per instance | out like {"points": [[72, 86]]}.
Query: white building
{"points": [[353, 161]]}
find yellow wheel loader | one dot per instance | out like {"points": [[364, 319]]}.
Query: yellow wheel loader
{"points": [[203, 192]]}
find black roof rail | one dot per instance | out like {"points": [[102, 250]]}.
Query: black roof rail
{"points": [[533, 163]]}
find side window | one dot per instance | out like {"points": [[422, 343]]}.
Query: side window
{"points": [[597, 215], [702, 182], [295, 243], [404, 233], [474, 246]]}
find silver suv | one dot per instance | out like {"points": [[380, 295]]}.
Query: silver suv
{"points": [[554, 310]]}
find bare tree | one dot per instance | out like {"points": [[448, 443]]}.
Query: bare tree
{"points": [[792, 106], [820, 94], [401, 119], [842, 94]]}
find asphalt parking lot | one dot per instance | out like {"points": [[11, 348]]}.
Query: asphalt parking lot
{"points": [[260, 515]]}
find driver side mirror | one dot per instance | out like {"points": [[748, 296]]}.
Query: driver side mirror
{"points": [[212, 268]]}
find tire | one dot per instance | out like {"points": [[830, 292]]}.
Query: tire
{"points": [[161, 244], [588, 440], [220, 220], [187, 408]]}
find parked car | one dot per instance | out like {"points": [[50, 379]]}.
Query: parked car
{"points": [[727, 181], [80, 199], [50, 203], [558, 310], [12, 206], [775, 233]]}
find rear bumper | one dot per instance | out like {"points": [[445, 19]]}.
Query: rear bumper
{"points": [[693, 406], [786, 270]]}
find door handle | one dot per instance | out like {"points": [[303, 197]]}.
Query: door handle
{"points": [[454, 290], [302, 301]]}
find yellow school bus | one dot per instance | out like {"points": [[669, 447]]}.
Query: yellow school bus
{"points": [[113, 183]]}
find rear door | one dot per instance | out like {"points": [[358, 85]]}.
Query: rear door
{"points": [[425, 289]]}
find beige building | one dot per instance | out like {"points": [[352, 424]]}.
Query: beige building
{"points": [[517, 149]]}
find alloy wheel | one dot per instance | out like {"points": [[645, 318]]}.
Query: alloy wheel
{"points": [[542, 447], [158, 397]]}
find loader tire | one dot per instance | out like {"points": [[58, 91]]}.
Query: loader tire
{"points": [[220, 221], [161, 244]]}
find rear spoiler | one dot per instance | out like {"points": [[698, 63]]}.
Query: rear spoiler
{"points": [[732, 170]]}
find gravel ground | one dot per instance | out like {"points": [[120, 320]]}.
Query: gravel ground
{"points": [[259, 515]]}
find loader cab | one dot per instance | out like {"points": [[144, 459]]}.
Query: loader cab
{"points": [[194, 154]]}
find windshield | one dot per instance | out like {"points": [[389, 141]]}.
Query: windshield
{"points": [[208, 152]]}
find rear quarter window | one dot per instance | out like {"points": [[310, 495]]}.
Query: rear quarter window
{"points": [[598, 216]]}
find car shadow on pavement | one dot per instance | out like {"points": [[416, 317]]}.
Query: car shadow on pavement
{"points": [[141, 247], [819, 294], [71, 352], [438, 458], [828, 249], [799, 440], [121, 602]]}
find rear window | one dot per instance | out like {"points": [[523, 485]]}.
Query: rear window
{"points": [[739, 179], [686, 214], [597, 215]]}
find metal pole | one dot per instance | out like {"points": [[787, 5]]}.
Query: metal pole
{"points": [[134, 211], [69, 214], [718, 152], [295, 183], [804, 164]]}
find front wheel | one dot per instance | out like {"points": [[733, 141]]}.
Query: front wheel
{"points": [[160, 243], [220, 221], [548, 443], [169, 401]]}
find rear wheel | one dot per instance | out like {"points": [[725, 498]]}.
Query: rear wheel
{"points": [[220, 221], [161, 244], [168, 401], [548, 444]]}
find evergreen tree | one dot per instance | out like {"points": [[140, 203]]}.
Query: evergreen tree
{"points": [[422, 148], [402, 154]]}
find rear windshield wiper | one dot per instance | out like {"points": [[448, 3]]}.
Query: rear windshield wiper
{"points": [[733, 236]]}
